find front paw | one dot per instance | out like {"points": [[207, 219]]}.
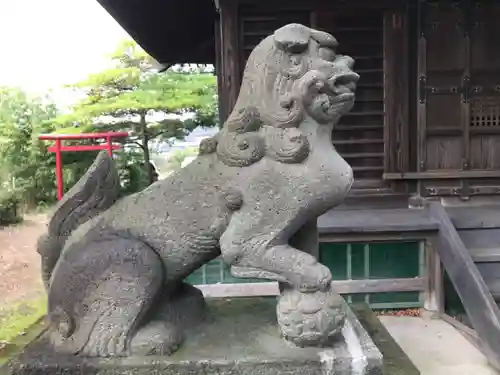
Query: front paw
{"points": [[314, 277], [255, 273]]}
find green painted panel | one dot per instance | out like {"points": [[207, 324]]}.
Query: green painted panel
{"points": [[400, 297], [394, 260], [195, 278], [358, 261], [335, 257], [356, 298], [214, 272], [375, 261], [347, 261]]}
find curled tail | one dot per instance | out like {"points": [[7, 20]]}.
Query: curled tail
{"points": [[95, 192]]}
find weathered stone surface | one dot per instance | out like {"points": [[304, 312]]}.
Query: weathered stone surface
{"points": [[239, 337], [114, 270], [310, 319]]}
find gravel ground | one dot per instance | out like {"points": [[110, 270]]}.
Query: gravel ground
{"points": [[19, 262]]}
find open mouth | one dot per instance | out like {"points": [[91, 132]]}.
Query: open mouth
{"points": [[342, 86], [345, 97], [339, 89], [336, 99], [337, 104], [338, 94]]}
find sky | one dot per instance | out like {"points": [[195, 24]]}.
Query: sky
{"points": [[48, 43]]}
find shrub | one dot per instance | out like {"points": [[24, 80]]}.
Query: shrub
{"points": [[10, 212]]}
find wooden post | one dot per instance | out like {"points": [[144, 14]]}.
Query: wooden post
{"points": [[230, 55], [434, 289], [223, 113]]}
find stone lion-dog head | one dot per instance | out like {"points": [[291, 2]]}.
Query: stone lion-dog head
{"points": [[292, 76]]}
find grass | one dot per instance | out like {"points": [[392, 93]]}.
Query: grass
{"points": [[15, 319]]}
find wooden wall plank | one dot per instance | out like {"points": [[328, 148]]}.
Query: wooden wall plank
{"points": [[396, 91], [359, 136]]}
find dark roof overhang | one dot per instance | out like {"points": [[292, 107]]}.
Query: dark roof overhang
{"points": [[171, 31]]}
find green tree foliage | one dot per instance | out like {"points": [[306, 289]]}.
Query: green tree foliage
{"points": [[27, 171], [10, 203], [132, 96]]}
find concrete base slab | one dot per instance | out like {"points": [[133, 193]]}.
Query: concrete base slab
{"points": [[436, 347], [241, 337]]}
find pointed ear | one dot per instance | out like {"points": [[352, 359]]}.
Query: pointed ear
{"points": [[292, 38]]}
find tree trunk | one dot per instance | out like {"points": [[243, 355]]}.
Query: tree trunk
{"points": [[145, 148]]}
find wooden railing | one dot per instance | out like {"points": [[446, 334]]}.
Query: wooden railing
{"points": [[476, 298]]}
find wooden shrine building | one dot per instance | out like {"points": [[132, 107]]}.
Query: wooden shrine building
{"points": [[427, 113], [426, 125]]}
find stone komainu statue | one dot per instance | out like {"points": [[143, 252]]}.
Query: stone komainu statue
{"points": [[114, 269]]}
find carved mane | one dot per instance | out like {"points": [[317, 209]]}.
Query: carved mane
{"points": [[273, 99]]}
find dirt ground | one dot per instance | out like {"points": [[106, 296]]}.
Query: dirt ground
{"points": [[19, 262]]}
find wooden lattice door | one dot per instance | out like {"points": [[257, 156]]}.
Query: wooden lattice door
{"points": [[458, 98], [485, 87]]}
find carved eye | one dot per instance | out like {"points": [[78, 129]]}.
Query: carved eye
{"points": [[326, 53], [243, 145]]}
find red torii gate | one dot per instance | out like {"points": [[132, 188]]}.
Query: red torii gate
{"points": [[58, 148]]}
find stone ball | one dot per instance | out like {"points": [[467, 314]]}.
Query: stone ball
{"points": [[310, 319]]}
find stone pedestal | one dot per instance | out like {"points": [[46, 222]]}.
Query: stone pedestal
{"points": [[241, 337]]}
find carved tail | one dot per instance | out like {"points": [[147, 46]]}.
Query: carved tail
{"points": [[95, 192]]}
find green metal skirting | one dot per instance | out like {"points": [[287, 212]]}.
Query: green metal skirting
{"points": [[216, 272], [354, 261], [378, 260]]}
